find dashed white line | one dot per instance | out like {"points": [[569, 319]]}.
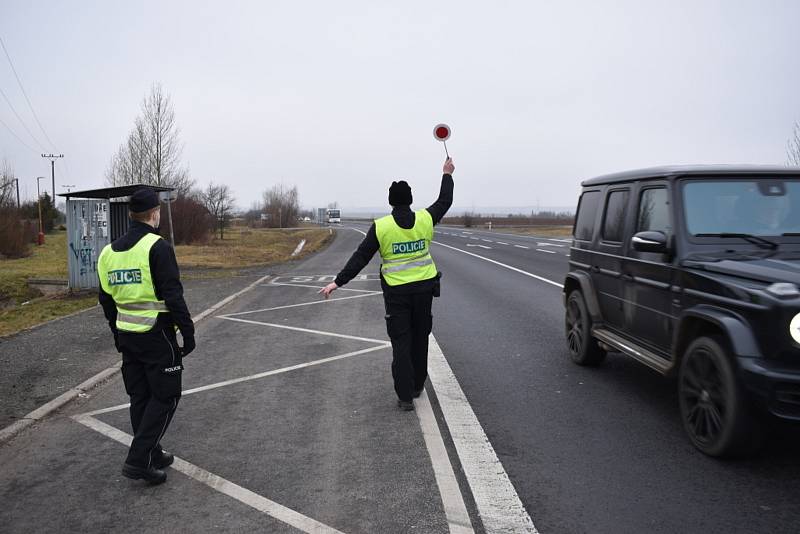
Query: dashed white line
{"points": [[509, 267], [547, 251], [501, 243], [522, 246], [487, 240]]}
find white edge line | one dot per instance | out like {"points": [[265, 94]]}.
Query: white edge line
{"points": [[546, 251], [46, 409], [498, 504], [484, 258], [454, 508], [226, 487]]}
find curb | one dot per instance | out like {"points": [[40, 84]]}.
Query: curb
{"points": [[9, 432]]}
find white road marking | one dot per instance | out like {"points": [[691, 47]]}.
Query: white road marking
{"points": [[547, 251], [520, 271], [549, 245], [522, 246], [362, 232], [300, 246], [271, 284], [495, 497], [473, 237], [481, 246], [256, 376], [306, 330], [501, 243], [487, 240], [312, 303], [454, 508], [226, 487]]}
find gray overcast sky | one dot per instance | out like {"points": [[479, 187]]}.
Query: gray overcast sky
{"points": [[341, 97]]}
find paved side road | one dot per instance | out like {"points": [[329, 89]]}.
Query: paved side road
{"points": [[288, 423], [40, 364]]}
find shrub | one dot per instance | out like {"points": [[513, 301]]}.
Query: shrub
{"points": [[15, 234], [192, 223]]}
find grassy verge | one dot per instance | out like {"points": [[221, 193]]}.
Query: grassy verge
{"points": [[22, 307]]}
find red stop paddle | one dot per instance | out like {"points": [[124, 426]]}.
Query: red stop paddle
{"points": [[441, 132]]}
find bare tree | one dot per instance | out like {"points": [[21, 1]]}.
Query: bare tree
{"points": [[218, 200], [7, 186], [152, 152], [793, 146], [281, 205]]}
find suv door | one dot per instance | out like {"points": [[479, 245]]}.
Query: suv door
{"points": [[609, 256], [648, 277]]}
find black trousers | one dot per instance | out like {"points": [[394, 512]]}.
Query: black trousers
{"points": [[151, 370], [409, 322]]}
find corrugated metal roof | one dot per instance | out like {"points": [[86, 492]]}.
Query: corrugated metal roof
{"points": [[113, 192]]}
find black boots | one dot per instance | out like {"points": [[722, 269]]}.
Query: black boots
{"points": [[406, 406], [149, 474]]}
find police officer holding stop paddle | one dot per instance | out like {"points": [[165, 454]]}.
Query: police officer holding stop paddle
{"points": [[142, 298], [409, 279]]}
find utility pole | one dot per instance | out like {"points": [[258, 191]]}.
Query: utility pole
{"points": [[39, 195], [53, 158]]}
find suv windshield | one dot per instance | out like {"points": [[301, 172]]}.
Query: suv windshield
{"points": [[768, 207]]}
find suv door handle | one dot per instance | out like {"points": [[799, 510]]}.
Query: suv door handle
{"points": [[595, 268]]}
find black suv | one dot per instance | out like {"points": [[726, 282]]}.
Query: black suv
{"points": [[695, 272]]}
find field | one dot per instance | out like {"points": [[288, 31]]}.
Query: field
{"points": [[22, 307]]}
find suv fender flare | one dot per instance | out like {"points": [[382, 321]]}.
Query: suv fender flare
{"points": [[733, 327], [584, 282]]}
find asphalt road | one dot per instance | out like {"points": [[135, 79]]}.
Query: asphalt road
{"points": [[588, 450], [289, 400]]}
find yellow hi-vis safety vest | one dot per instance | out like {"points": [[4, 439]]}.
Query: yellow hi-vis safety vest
{"points": [[126, 277], [406, 253]]}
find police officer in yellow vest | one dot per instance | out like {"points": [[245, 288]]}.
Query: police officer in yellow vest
{"points": [[409, 279], [142, 298]]}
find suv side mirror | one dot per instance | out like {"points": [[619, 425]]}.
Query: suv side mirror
{"points": [[650, 242]]}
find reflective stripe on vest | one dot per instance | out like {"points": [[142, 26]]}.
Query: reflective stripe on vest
{"points": [[126, 276], [406, 252]]}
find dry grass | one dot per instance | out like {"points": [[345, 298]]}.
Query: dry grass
{"points": [[244, 247], [241, 248]]}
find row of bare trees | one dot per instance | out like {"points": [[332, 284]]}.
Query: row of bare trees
{"points": [[152, 152]]}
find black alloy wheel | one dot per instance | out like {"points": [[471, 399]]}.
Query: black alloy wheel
{"points": [[583, 348], [715, 411]]}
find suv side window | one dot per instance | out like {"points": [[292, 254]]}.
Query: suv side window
{"points": [[587, 213], [654, 211], [614, 220]]}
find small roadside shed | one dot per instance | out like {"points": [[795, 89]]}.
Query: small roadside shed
{"points": [[95, 218]]}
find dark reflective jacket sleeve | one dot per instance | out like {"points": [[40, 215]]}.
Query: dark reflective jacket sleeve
{"points": [[109, 309], [167, 282], [445, 200], [360, 258]]}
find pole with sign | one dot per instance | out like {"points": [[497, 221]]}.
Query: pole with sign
{"points": [[169, 197]]}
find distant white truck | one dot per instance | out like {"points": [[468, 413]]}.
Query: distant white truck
{"points": [[334, 216]]}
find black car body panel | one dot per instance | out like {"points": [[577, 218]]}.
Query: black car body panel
{"points": [[652, 305]]}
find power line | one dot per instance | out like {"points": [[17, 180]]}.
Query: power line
{"points": [[28, 100], [26, 145], [22, 122]]}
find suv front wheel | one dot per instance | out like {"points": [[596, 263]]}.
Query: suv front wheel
{"points": [[715, 413], [583, 348]]}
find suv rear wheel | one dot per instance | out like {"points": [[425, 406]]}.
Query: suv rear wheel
{"points": [[583, 348], [715, 413]]}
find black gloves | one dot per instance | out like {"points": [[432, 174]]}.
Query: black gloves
{"points": [[188, 346]]}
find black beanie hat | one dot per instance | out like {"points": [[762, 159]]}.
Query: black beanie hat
{"points": [[143, 199], [400, 194]]}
